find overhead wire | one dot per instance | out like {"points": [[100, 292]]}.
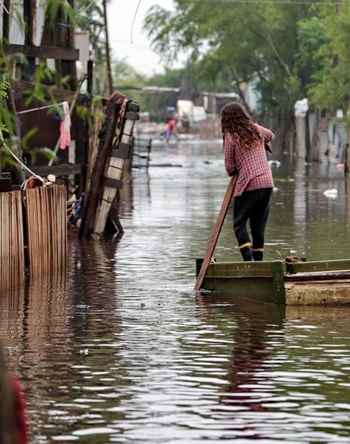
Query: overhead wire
{"points": [[133, 21]]}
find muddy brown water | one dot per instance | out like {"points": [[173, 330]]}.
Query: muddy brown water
{"points": [[120, 351]]}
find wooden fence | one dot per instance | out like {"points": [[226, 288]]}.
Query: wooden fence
{"points": [[47, 229], [11, 240], [33, 226]]}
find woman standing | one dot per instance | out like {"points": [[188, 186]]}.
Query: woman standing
{"points": [[245, 155]]}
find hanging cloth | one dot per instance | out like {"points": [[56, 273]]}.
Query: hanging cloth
{"points": [[65, 136]]}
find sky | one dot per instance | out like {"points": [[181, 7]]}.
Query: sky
{"points": [[138, 51]]}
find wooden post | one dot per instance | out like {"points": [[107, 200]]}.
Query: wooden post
{"points": [[68, 67], [6, 21], [90, 77], [107, 48], [347, 160], [29, 7], [214, 237], [278, 282]]}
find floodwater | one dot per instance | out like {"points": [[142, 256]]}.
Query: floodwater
{"points": [[120, 350]]}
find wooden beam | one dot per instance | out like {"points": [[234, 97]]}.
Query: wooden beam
{"points": [[215, 233], [279, 291], [6, 21], [107, 49], [44, 52], [307, 267], [241, 269], [65, 169], [29, 7], [259, 289], [318, 277]]}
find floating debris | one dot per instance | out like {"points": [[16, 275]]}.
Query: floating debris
{"points": [[331, 193], [274, 163]]}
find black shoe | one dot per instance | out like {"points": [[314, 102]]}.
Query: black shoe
{"points": [[246, 253], [258, 255]]}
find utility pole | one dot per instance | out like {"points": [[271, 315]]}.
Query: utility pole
{"points": [[107, 48]]}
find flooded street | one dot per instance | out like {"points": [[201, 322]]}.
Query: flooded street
{"points": [[120, 351]]}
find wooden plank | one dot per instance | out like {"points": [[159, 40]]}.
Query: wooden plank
{"points": [[214, 237], [318, 293], [115, 163], [240, 269], [133, 106], [130, 115], [318, 276], [259, 289], [44, 52], [123, 151], [279, 291], [64, 169], [314, 266], [112, 183]]}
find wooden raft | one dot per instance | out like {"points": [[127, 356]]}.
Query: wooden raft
{"points": [[11, 240], [301, 283]]}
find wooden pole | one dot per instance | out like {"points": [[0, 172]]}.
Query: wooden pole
{"points": [[107, 48], [214, 237], [6, 21]]}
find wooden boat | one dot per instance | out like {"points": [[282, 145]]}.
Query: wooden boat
{"points": [[299, 283]]}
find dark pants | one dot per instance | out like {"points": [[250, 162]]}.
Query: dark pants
{"points": [[253, 206]]}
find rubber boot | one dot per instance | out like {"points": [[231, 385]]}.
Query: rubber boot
{"points": [[258, 255], [246, 253]]}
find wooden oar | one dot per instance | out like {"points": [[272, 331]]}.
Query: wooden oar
{"points": [[215, 233]]}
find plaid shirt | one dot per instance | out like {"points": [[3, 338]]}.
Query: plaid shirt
{"points": [[252, 166]]}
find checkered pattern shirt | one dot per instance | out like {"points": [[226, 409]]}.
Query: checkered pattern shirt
{"points": [[251, 164]]}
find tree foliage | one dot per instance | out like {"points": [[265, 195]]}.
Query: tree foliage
{"points": [[330, 85], [289, 50]]}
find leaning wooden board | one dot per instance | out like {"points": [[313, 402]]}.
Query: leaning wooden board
{"points": [[302, 283], [215, 233]]}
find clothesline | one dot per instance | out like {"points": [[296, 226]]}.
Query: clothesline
{"points": [[23, 165], [31, 110]]}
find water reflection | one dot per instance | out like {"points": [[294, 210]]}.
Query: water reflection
{"points": [[118, 350]]}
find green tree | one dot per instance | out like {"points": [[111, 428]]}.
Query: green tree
{"points": [[237, 43], [330, 81]]}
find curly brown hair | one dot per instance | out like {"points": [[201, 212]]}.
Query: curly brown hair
{"points": [[236, 121]]}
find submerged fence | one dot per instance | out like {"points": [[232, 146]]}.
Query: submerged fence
{"points": [[11, 240], [33, 232]]}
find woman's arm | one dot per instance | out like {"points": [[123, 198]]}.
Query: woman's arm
{"points": [[267, 134], [230, 145]]}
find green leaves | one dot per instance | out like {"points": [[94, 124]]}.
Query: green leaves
{"points": [[280, 47]]}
